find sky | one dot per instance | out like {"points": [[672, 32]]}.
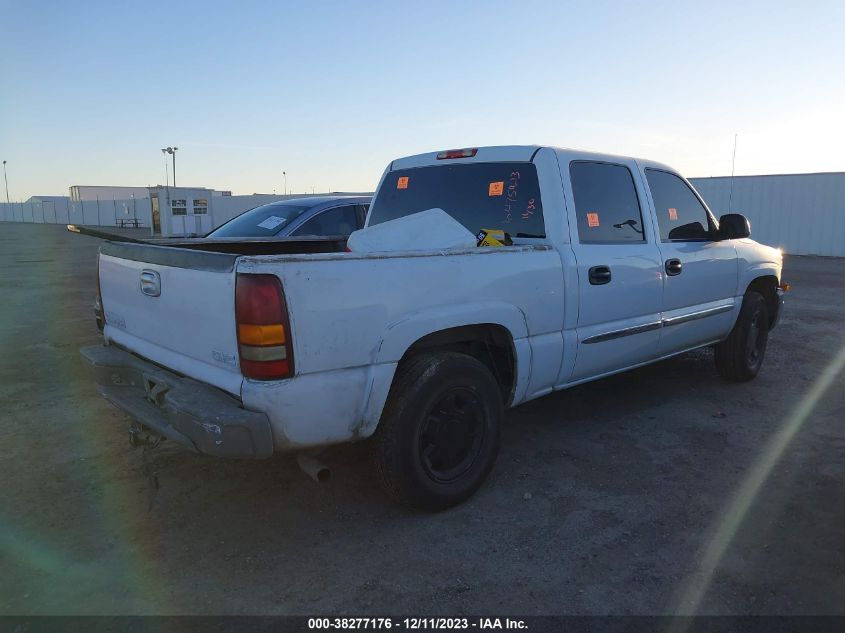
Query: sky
{"points": [[331, 92]]}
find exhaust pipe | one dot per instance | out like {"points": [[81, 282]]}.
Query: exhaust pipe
{"points": [[314, 468]]}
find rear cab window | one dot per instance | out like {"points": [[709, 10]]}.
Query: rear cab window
{"points": [[480, 196]]}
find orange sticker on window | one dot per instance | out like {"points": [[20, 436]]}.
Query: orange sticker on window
{"points": [[402, 183], [592, 219], [496, 188], [673, 213]]}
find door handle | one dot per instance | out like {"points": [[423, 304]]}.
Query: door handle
{"points": [[599, 275], [673, 267]]}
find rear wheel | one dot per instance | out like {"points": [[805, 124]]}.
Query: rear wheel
{"points": [[439, 432], [740, 356]]}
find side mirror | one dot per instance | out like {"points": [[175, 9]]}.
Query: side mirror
{"points": [[734, 226]]}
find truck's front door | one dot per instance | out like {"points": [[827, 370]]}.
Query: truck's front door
{"points": [[619, 268], [700, 285]]}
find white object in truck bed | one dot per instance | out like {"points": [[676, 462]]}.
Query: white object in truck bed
{"points": [[433, 229]]}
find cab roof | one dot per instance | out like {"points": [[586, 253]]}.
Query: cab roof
{"points": [[516, 153]]}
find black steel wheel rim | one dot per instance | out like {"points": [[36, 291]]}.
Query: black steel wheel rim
{"points": [[756, 339], [452, 435]]}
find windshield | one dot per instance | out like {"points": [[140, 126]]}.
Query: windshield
{"points": [[478, 195], [264, 221]]}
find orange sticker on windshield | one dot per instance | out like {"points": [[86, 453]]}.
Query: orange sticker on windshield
{"points": [[673, 213], [402, 183], [592, 219], [496, 188]]}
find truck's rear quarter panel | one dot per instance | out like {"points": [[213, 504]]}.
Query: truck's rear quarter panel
{"points": [[343, 308], [353, 316]]}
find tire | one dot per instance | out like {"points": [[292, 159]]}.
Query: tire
{"points": [[740, 356], [439, 432]]}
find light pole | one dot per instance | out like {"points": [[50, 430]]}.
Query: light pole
{"points": [[7, 182], [166, 171], [172, 152], [285, 174]]}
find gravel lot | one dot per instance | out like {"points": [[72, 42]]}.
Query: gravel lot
{"points": [[613, 497]]}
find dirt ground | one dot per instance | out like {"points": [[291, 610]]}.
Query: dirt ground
{"points": [[619, 497]]}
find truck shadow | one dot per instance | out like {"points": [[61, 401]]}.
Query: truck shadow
{"points": [[590, 416]]}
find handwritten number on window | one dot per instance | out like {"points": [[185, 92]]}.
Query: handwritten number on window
{"points": [[512, 195], [530, 209]]}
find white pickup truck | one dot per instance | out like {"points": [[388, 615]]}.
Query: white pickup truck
{"points": [[244, 349]]}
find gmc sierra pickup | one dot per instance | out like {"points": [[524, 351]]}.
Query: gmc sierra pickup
{"points": [[245, 349]]}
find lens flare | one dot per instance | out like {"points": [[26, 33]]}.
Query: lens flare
{"points": [[693, 590]]}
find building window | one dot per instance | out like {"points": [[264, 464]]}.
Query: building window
{"points": [[201, 206], [178, 207]]}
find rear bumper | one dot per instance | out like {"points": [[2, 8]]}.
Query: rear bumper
{"points": [[197, 416]]}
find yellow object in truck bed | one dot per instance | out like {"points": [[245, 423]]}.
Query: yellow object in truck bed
{"points": [[493, 237]]}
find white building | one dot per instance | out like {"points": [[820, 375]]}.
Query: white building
{"points": [[804, 214], [181, 211]]}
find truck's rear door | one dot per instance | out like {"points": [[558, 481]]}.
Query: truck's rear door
{"points": [[620, 284], [175, 307]]}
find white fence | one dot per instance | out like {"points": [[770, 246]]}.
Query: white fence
{"points": [[89, 212], [804, 214]]}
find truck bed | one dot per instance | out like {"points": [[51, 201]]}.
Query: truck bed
{"points": [[190, 326]]}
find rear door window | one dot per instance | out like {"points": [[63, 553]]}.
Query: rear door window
{"points": [[478, 195], [606, 203], [680, 214]]}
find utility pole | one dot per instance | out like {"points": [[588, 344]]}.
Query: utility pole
{"points": [[7, 182], [172, 152]]}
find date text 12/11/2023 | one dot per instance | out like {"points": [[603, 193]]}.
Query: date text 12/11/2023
{"points": [[414, 624]]}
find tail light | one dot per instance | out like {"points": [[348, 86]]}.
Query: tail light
{"points": [[264, 343], [468, 152], [98, 302]]}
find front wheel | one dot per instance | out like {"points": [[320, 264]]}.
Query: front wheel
{"points": [[740, 356], [439, 432]]}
